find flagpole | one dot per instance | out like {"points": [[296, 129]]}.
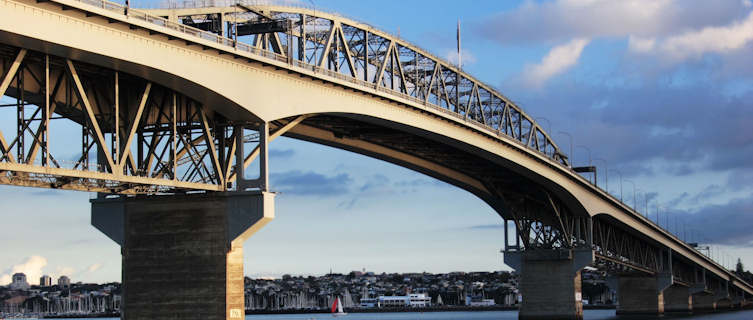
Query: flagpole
{"points": [[460, 56]]}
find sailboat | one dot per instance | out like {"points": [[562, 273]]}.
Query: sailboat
{"points": [[337, 308]]}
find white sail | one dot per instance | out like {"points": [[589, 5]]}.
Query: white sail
{"points": [[347, 299]]}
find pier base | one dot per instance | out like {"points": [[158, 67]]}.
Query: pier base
{"points": [[641, 295], [724, 304], [678, 300], [703, 302], [183, 254], [550, 282]]}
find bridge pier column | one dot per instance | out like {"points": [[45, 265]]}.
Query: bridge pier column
{"points": [[550, 282], [737, 300], [703, 302], [639, 294], [703, 298], [723, 302], [183, 254], [722, 298], [677, 299]]}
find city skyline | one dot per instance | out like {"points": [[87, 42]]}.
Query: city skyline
{"points": [[633, 94]]}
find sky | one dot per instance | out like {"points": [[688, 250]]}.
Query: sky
{"points": [[660, 92]]}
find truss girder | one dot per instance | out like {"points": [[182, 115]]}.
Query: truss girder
{"points": [[376, 60], [543, 223], [136, 136]]}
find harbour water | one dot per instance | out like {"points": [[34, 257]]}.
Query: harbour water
{"points": [[486, 315]]}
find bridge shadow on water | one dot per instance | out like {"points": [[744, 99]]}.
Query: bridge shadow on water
{"points": [[609, 314]]}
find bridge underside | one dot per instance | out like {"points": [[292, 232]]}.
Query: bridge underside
{"points": [[138, 137]]}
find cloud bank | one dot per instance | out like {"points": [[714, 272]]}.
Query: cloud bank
{"points": [[31, 266], [560, 59]]}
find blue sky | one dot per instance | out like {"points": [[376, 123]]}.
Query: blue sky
{"points": [[661, 90]]}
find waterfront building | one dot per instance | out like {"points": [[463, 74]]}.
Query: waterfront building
{"points": [[478, 301], [19, 282], [64, 282], [45, 281], [413, 300], [369, 302]]}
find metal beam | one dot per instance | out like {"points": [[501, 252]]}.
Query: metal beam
{"points": [[90, 113], [134, 126], [255, 153]]}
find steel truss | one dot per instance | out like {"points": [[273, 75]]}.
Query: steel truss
{"points": [[544, 223], [387, 63], [354, 52], [136, 136], [614, 245]]}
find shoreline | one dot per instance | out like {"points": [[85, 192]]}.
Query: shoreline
{"points": [[429, 309], [348, 310]]}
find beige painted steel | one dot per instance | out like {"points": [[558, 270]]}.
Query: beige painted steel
{"points": [[273, 90]]}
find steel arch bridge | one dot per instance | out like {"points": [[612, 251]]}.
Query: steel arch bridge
{"points": [[174, 100]]}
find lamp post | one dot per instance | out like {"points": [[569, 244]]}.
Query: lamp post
{"points": [[620, 173], [549, 124], [632, 183], [589, 152], [571, 146], [606, 175], [589, 156], [645, 201], [658, 221]]}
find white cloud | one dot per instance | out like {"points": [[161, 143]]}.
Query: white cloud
{"points": [[468, 57], [710, 39], [31, 266], [747, 3], [557, 61], [94, 267], [560, 20], [638, 44]]}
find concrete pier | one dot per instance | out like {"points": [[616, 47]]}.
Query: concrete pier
{"points": [[641, 295], [724, 304], [677, 299], [183, 254], [722, 298], [703, 302], [550, 282]]}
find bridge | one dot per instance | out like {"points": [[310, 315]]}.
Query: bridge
{"points": [[173, 105]]}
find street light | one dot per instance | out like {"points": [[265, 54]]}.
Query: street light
{"points": [[589, 152], [549, 124], [589, 158], [606, 170], [571, 146], [633, 183], [620, 173], [645, 200]]}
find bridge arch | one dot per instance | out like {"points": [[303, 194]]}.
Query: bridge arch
{"points": [[247, 87]]}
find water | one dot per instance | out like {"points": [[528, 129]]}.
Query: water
{"points": [[484, 315]]}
